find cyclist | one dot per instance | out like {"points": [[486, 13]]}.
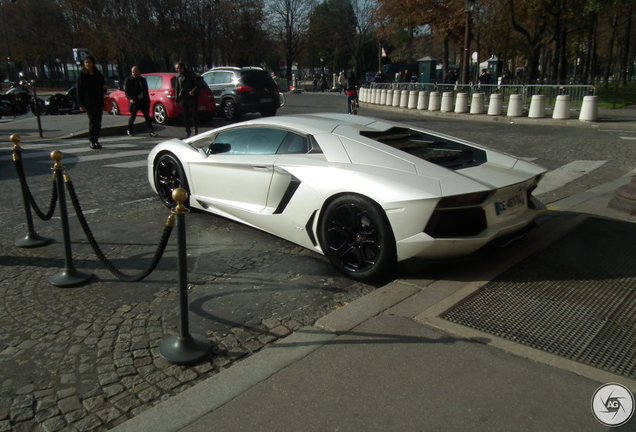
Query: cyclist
{"points": [[351, 90]]}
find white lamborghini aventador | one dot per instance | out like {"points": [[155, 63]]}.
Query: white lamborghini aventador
{"points": [[366, 193]]}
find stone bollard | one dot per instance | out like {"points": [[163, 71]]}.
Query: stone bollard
{"points": [[537, 107], [397, 94], [496, 104], [447, 102], [434, 102], [461, 104], [383, 97], [377, 96], [625, 198], [422, 100], [404, 98], [389, 97], [562, 108], [412, 99], [515, 106], [589, 109], [477, 107]]}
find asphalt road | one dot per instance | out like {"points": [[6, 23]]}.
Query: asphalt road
{"points": [[246, 288]]}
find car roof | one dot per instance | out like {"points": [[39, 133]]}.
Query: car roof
{"points": [[234, 68], [170, 74], [319, 123]]}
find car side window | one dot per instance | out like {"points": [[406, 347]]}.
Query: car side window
{"points": [[225, 78], [251, 141], [294, 144], [209, 78], [154, 82]]}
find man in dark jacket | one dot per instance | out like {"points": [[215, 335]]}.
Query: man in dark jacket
{"points": [[91, 87], [187, 96], [136, 88]]}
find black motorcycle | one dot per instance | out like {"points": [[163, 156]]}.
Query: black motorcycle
{"points": [[13, 105], [63, 103], [23, 94]]}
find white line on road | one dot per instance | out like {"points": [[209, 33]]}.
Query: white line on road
{"points": [[65, 151], [102, 156], [566, 174]]}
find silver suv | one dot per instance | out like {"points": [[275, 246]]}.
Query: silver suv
{"points": [[243, 90]]}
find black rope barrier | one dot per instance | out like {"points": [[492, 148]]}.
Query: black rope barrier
{"points": [[102, 257], [23, 183]]}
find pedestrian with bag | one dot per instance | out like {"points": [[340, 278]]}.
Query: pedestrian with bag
{"points": [[187, 97], [136, 88], [91, 89]]}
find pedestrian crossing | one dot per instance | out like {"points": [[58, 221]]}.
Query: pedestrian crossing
{"points": [[127, 158]]}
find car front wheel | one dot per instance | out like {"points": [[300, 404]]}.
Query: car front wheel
{"points": [[169, 175], [160, 114], [356, 236], [229, 109]]}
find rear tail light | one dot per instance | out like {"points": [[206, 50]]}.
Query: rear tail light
{"points": [[466, 200], [245, 89], [170, 94]]}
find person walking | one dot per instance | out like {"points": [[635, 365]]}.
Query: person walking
{"points": [[351, 90], [187, 97], [136, 88], [91, 87], [341, 82]]}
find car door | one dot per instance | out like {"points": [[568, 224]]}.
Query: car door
{"points": [[218, 81], [238, 179]]}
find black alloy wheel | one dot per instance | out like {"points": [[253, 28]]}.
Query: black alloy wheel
{"points": [[229, 109], [169, 175], [356, 236]]}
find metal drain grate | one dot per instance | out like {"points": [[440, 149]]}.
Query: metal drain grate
{"points": [[576, 299]]}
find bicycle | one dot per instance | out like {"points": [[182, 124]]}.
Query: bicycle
{"points": [[282, 99], [354, 105]]}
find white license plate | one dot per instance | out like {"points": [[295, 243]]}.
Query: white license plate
{"points": [[266, 100], [510, 204]]}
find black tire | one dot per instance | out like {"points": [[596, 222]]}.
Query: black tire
{"points": [[160, 114], [229, 109], [356, 236], [115, 109], [169, 175]]}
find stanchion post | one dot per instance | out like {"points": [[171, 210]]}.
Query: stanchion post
{"points": [[32, 239], [70, 276], [186, 347]]}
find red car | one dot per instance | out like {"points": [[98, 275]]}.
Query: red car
{"points": [[163, 101]]}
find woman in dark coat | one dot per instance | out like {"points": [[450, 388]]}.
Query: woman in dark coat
{"points": [[91, 87]]}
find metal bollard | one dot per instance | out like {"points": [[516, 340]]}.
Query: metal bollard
{"points": [[70, 276], [186, 347], [32, 239]]}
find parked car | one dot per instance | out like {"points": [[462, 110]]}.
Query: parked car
{"points": [[364, 192], [243, 90], [163, 102]]}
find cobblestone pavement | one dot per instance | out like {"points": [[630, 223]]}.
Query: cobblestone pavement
{"points": [[86, 358]]}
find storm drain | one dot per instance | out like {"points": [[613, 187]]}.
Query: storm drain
{"points": [[576, 299]]}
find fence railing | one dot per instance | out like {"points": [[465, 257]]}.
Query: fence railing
{"points": [[576, 92]]}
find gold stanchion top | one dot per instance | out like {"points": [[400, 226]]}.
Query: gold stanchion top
{"points": [[179, 195], [57, 156], [15, 139]]}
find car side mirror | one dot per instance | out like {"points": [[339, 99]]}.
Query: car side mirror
{"points": [[217, 148]]}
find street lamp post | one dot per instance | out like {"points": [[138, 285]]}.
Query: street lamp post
{"points": [[469, 5], [6, 38], [322, 68]]}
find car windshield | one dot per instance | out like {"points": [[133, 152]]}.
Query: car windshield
{"points": [[440, 151]]}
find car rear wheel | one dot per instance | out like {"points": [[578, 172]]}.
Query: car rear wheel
{"points": [[229, 109], [160, 114], [115, 109], [169, 175], [356, 236]]}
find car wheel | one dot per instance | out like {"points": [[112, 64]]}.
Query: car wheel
{"points": [[229, 109], [115, 109], [356, 236], [161, 116], [169, 175]]}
